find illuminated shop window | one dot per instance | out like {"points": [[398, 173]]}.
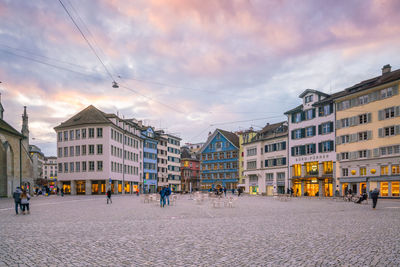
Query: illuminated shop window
{"points": [[363, 171], [384, 189], [328, 167], [395, 189], [395, 169], [384, 170], [297, 170], [312, 168]]}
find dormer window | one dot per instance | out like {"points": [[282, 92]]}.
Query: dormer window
{"points": [[308, 99]]}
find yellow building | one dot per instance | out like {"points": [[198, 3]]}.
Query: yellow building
{"points": [[244, 137], [368, 135]]}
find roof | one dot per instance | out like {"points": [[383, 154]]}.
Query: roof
{"points": [[90, 115], [312, 91], [233, 138], [271, 131], [364, 85], [4, 126], [296, 109]]}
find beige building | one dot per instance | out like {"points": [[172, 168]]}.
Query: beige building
{"points": [[162, 161], [265, 160], [368, 135], [15, 163], [244, 137]]}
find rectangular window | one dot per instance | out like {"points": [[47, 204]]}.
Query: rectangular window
{"points": [[99, 165], [310, 149], [65, 135], [363, 118], [91, 132], [83, 133], [65, 167], [269, 177], [99, 149], [99, 132], [308, 99], [78, 134], [297, 170], [311, 168], [384, 170], [327, 110], [345, 172], [395, 189], [363, 99], [71, 151], [65, 151], [388, 131], [310, 114], [362, 153], [384, 189], [77, 150], [345, 122], [71, 167], [363, 171], [60, 152], [59, 134], [251, 165], [91, 149], [71, 135], [252, 151], [280, 176], [389, 113], [310, 131], [328, 167], [60, 167], [387, 92], [362, 136], [83, 166], [83, 150], [395, 169], [77, 166], [345, 139], [91, 165]]}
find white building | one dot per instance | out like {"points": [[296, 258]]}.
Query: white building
{"points": [[265, 160], [162, 161], [49, 171], [174, 161], [98, 150]]}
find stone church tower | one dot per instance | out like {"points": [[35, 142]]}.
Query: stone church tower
{"points": [[25, 130]]}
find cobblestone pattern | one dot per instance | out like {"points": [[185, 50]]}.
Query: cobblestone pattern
{"points": [[258, 231]]}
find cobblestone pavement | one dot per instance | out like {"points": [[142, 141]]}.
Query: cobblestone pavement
{"points": [[258, 231]]}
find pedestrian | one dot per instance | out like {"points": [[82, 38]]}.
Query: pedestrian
{"points": [[62, 191], [162, 197], [233, 191], [239, 191], [137, 192], [109, 196], [25, 197], [225, 191], [17, 199], [291, 191], [374, 196], [167, 194], [297, 192], [58, 190]]}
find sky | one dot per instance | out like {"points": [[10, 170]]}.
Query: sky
{"points": [[185, 66]]}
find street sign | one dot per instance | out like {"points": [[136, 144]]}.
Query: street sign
{"points": [[109, 180]]}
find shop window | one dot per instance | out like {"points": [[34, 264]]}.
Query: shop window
{"points": [[384, 189], [119, 188], [297, 170], [384, 170], [328, 167], [312, 168], [363, 171], [395, 189], [395, 169]]}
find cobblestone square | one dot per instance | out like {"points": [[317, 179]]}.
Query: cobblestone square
{"points": [[257, 231]]}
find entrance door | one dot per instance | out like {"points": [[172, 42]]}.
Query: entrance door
{"points": [[363, 188], [311, 189], [80, 187], [297, 189]]}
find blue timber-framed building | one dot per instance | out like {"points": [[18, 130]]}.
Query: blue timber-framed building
{"points": [[219, 161], [149, 160]]}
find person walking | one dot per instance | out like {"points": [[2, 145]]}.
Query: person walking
{"points": [[62, 191], [239, 191], [233, 191], [25, 197], [17, 199], [162, 197], [225, 191], [109, 196], [167, 193], [58, 190], [374, 196]]}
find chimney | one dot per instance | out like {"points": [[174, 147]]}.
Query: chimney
{"points": [[209, 133], [386, 69]]}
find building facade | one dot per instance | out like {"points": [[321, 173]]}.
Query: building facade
{"points": [[162, 161], [311, 146], [266, 160], [174, 162], [16, 166], [219, 161], [49, 171], [190, 170], [149, 160], [38, 159], [368, 135], [97, 151], [244, 137]]}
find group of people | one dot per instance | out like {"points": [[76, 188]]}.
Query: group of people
{"points": [[219, 191], [21, 200], [165, 192]]}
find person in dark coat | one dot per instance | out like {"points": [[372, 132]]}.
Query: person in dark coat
{"points": [[167, 194], [17, 199], [162, 197], [225, 191], [239, 191], [62, 191], [374, 196], [109, 196]]}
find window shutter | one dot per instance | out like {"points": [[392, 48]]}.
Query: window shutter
{"points": [[380, 114], [380, 132], [283, 161], [397, 111], [369, 117], [354, 102], [338, 125], [320, 111], [302, 150], [351, 121], [293, 135], [303, 116], [376, 152], [330, 108], [313, 112], [339, 106], [338, 140], [397, 129], [356, 120], [283, 145], [313, 130], [395, 89], [319, 147], [331, 146], [292, 117], [303, 132], [338, 155], [369, 135], [319, 129], [331, 126], [292, 151], [274, 162]]}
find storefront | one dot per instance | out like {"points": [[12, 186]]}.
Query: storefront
{"points": [[67, 187], [80, 187], [98, 187], [313, 187], [388, 186], [253, 184]]}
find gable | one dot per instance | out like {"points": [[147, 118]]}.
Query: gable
{"points": [[218, 143]]}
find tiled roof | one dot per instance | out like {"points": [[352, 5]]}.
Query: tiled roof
{"points": [[296, 109], [270, 131], [90, 115], [233, 138], [312, 91], [4, 126]]}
